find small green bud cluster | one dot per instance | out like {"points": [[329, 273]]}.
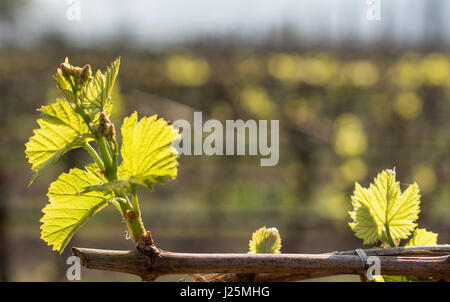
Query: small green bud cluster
{"points": [[80, 75], [106, 127]]}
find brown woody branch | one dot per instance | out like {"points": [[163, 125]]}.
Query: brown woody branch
{"points": [[429, 261]]}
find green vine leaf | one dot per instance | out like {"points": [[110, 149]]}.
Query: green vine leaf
{"points": [[265, 241], [69, 208], [97, 94], [118, 187], [383, 207], [147, 154], [61, 129], [422, 237]]}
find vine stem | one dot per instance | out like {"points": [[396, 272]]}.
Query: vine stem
{"points": [[134, 221], [431, 261], [389, 236], [94, 155], [103, 148], [114, 151], [111, 173]]}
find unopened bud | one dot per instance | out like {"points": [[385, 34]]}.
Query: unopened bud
{"points": [[147, 239], [101, 131], [66, 69], [77, 71], [105, 127], [86, 73], [129, 215], [110, 131], [104, 118], [81, 76]]}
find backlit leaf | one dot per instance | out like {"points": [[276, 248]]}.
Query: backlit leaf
{"points": [[384, 205], [61, 129], [69, 208], [265, 241], [146, 150], [117, 187], [422, 237], [97, 94]]}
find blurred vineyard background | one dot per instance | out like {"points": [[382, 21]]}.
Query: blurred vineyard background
{"points": [[345, 114]]}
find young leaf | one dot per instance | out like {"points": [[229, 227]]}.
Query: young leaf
{"points": [[69, 208], [422, 237], [118, 187], [265, 241], [146, 150], [61, 129], [62, 82], [383, 206], [97, 94]]}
